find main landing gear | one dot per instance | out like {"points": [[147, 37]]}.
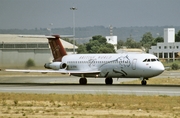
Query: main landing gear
{"points": [[83, 81], [108, 80]]}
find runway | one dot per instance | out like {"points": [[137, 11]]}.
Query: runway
{"points": [[70, 85], [91, 89]]}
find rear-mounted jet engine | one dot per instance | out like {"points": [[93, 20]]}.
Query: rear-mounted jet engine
{"points": [[55, 65]]}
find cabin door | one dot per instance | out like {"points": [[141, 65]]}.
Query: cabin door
{"points": [[134, 64]]}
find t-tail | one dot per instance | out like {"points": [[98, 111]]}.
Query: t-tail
{"points": [[57, 48]]}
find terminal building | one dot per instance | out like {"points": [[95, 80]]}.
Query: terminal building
{"points": [[169, 49], [15, 50]]}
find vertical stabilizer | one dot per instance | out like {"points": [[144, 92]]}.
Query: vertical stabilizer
{"points": [[57, 48]]}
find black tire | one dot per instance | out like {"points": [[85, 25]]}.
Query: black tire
{"points": [[109, 81], [82, 81], [143, 82]]}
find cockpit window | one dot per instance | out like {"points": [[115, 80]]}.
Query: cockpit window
{"points": [[145, 60], [153, 60], [148, 60]]}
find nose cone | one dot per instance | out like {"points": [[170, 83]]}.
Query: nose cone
{"points": [[159, 68]]}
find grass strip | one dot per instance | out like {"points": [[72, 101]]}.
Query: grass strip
{"points": [[88, 105]]}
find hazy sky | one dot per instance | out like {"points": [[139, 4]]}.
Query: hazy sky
{"points": [[30, 14]]}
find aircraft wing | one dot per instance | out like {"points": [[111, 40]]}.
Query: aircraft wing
{"points": [[63, 71]]}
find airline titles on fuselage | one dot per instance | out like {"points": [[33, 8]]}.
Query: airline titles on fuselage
{"points": [[95, 57], [123, 61]]}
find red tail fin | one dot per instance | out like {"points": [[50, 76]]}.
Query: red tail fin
{"points": [[57, 48]]}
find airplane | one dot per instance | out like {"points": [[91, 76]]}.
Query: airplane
{"points": [[108, 66]]}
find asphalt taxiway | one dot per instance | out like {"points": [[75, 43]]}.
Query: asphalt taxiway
{"points": [[70, 85]]}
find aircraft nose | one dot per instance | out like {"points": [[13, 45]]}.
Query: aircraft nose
{"points": [[160, 68]]}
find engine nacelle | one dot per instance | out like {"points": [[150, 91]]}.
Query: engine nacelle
{"points": [[55, 65]]}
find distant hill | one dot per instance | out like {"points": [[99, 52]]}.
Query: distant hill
{"points": [[83, 34]]}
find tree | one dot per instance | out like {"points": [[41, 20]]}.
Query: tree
{"points": [[147, 38], [108, 48], [147, 41], [174, 66], [29, 63], [97, 44], [81, 49], [103, 49], [157, 40], [120, 44], [131, 43], [94, 49], [99, 38], [92, 45], [177, 37]]}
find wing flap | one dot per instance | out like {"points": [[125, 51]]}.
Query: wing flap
{"points": [[29, 71]]}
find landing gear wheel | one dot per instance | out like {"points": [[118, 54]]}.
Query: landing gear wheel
{"points": [[83, 81], [109, 81], [143, 82]]}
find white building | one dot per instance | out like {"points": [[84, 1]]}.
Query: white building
{"points": [[112, 40], [169, 49], [169, 35]]}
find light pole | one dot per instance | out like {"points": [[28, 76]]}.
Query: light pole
{"points": [[49, 29], [51, 24], [73, 8]]}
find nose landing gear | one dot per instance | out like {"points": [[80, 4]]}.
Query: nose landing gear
{"points": [[143, 82]]}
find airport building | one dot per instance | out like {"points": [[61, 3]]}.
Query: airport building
{"points": [[169, 49], [112, 40], [15, 50]]}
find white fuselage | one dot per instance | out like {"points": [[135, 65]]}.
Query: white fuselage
{"points": [[115, 65]]}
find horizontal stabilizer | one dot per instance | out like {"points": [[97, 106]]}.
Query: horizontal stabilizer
{"points": [[44, 36]]}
